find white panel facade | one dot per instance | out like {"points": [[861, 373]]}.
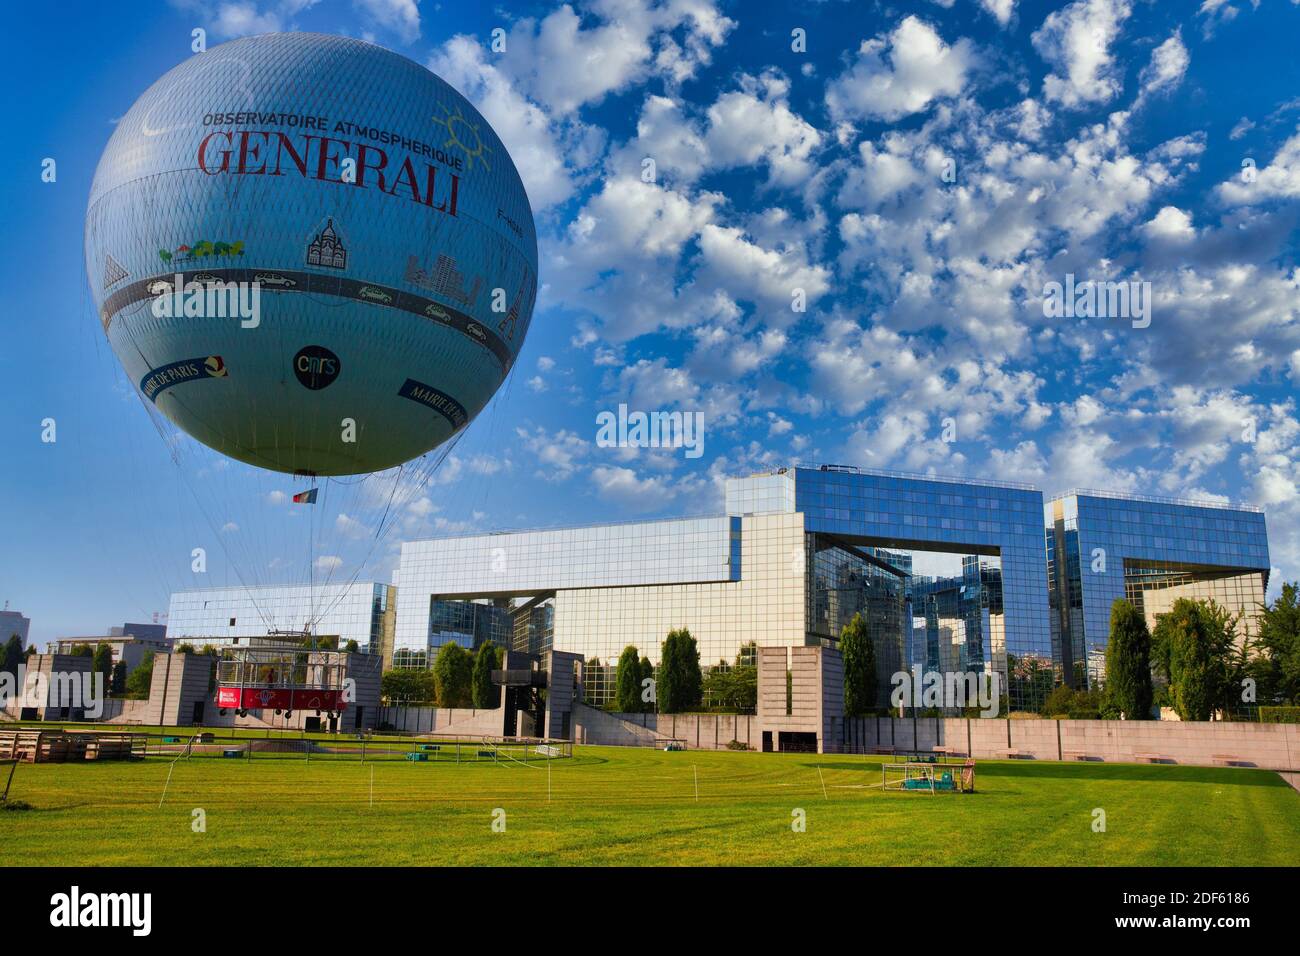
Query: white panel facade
{"points": [[219, 615]]}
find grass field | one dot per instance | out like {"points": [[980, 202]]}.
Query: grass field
{"points": [[625, 806]]}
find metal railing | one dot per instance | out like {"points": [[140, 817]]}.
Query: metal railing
{"points": [[1156, 499], [434, 748], [913, 476]]}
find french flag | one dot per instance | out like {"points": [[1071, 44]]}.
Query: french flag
{"points": [[305, 497]]}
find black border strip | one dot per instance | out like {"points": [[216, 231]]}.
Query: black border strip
{"points": [[318, 284]]}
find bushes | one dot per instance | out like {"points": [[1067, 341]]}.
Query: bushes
{"points": [[1078, 705], [1279, 715]]}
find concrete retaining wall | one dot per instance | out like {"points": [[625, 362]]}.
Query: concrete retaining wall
{"points": [[1270, 746], [444, 720], [592, 726]]}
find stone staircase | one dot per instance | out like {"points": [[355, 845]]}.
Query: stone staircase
{"points": [[592, 726]]}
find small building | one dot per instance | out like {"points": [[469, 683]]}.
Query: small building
{"points": [[124, 647], [61, 692], [14, 623], [800, 699]]}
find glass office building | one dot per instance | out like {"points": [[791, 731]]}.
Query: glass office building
{"points": [[363, 611], [958, 621], [800, 550], [469, 624], [1152, 551]]}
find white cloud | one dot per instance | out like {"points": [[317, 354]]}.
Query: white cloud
{"points": [[350, 527], [625, 488], [1167, 68], [755, 124], [562, 65], [1170, 224], [558, 455], [630, 217], [1001, 10], [245, 17], [1280, 179], [1242, 127], [547, 153], [900, 74], [400, 16], [1076, 41]]}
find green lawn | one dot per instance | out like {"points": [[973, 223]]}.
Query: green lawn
{"points": [[631, 807]]}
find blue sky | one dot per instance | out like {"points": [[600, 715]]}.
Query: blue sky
{"points": [[920, 172]]}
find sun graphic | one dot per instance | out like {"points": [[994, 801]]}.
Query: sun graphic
{"points": [[460, 132]]}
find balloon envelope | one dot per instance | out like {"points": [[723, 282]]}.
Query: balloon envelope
{"points": [[311, 254]]}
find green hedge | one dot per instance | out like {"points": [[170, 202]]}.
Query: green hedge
{"points": [[1279, 715]]}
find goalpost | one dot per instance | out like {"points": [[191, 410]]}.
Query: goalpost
{"points": [[932, 778]]}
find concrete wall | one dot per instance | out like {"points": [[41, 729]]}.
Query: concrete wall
{"points": [[180, 681], [1271, 746], [816, 696], [560, 694], [592, 726], [445, 720], [52, 666]]}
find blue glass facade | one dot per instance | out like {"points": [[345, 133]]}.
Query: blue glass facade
{"points": [[913, 512], [469, 624], [1102, 547], [801, 549]]}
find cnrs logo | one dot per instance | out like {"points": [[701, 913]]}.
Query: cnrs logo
{"points": [[77, 909]]}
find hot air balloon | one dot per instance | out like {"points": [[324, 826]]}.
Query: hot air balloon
{"points": [[311, 254]]}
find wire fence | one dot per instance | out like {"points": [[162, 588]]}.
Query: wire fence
{"points": [[442, 748]]}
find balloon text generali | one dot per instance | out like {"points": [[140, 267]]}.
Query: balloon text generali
{"points": [[311, 253]]}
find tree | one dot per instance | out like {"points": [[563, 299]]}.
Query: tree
{"points": [[1196, 638], [140, 679], [1279, 643], [627, 682], [1128, 662], [103, 663], [408, 687], [732, 689], [117, 684], [13, 655], [452, 675], [83, 650], [859, 668], [352, 647], [486, 695], [680, 683], [648, 700]]}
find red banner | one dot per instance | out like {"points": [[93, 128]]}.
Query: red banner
{"points": [[280, 698]]}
